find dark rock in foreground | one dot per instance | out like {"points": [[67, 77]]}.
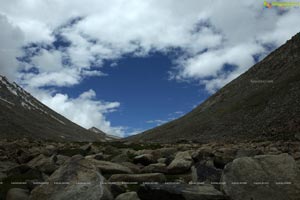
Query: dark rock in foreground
{"points": [[76, 179], [265, 177], [179, 192]]}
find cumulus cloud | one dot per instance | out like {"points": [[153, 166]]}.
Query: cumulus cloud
{"points": [[84, 110], [11, 40], [209, 34]]}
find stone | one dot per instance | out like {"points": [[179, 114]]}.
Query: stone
{"points": [[44, 164], [6, 165], [128, 196], [123, 157], [24, 171], [86, 148], [166, 151], [117, 189], [203, 172], [140, 178], [221, 160], [263, 177], [179, 192], [162, 160], [224, 155], [248, 153], [17, 194], [136, 169], [144, 159], [107, 167], [61, 159], [155, 168], [49, 150], [99, 156], [181, 163], [107, 195], [204, 153], [76, 179], [24, 156]]}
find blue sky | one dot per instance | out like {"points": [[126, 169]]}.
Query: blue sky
{"points": [[126, 66], [143, 88]]}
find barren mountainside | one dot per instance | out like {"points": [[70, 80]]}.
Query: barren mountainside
{"points": [[262, 103], [21, 115]]}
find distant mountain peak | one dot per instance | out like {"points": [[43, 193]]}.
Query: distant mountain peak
{"points": [[106, 136]]}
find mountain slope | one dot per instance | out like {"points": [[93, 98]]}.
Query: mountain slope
{"points": [[105, 136], [21, 115], [262, 103]]}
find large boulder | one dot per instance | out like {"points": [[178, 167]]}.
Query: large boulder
{"points": [[140, 178], [179, 192], [76, 179], [264, 177], [17, 194], [128, 196], [107, 167], [181, 163], [44, 164]]}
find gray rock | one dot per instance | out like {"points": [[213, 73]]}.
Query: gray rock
{"points": [[44, 164], [181, 163], [155, 168], [166, 151], [203, 172], [24, 156], [6, 165], [179, 192], [61, 159], [140, 178], [162, 160], [17, 194], [107, 167], [76, 179], [136, 169], [128, 196], [144, 159], [262, 178], [204, 153], [49, 150]]}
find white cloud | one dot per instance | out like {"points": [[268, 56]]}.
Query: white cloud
{"points": [[84, 110], [48, 61], [11, 40], [209, 33]]}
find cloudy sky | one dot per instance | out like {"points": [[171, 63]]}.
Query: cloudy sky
{"points": [[126, 66]]}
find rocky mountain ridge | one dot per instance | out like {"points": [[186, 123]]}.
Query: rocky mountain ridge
{"points": [[22, 116]]}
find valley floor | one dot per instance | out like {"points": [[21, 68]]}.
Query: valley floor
{"points": [[119, 170]]}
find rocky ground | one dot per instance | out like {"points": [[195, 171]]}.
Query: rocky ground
{"points": [[125, 171]]}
